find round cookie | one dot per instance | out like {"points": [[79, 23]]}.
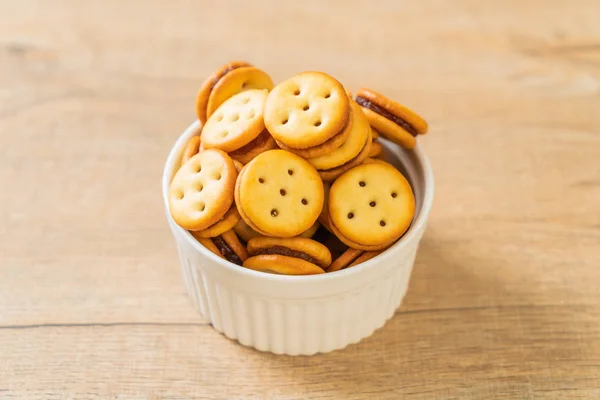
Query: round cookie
{"points": [[262, 143], [240, 209], [298, 247], [306, 110], [355, 245], [324, 215], [244, 231], [237, 122], [366, 256], [282, 265], [371, 205], [191, 148], [324, 148], [279, 194], [233, 242], [329, 175], [210, 245], [356, 141], [310, 232], [236, 81], [376, 149], [230, 247], [201, 191], [229, 220], [344, 260], [391, 119], [209, 84]]}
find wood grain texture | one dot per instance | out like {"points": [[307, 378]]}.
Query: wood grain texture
{"points": [[504, 302]]}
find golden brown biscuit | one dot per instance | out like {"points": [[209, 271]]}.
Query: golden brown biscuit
{"points": [[238, 165], [329, 175], [279, 194], [240, 209], [376, 149], [209, 244], [359, 135], [324, 215], [391, 119], [310, 232], [209, 84], [324, 148], [230, 247], [298, 247], [237, 122], [306, 110], [226, 223], [282, 265], [344, 260], [202, 190], [371, 205], [356, 245], [262, 143], [244, 231], [191, 149], [234, 244], [236, 81], [367, 255]]}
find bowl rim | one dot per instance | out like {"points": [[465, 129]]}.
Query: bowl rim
{"points": [[417, 225]]}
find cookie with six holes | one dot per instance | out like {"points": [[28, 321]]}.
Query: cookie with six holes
{"points": [[307, 110], [201, 191], [279, 194], [391, 119], [371, 206], [237, 122]]}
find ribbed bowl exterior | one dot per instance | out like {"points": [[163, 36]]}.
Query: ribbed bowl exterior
{"points": [[300, 315]]}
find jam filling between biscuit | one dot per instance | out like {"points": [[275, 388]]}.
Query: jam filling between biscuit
{"points": [[386, 114], [284, 251], [227, 251], [259, 141]]}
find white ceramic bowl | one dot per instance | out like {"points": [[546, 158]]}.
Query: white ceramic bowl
{"points": [[302, 315]]}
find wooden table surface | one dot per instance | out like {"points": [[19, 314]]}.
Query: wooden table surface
{"points": [[504, 301]]}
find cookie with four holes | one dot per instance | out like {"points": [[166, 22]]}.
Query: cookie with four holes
{"points": [[391, 119], [237, 127], [201, 191], [279, 194], [351, 153], [370, 206], [307, 110]]}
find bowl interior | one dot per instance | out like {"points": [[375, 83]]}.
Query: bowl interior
{"points": [[413, 164]]}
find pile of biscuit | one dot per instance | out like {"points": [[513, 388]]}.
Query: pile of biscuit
{"points": [[290, 178]]}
